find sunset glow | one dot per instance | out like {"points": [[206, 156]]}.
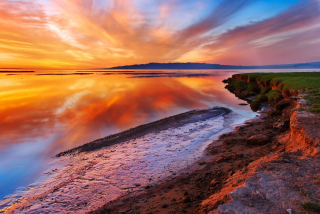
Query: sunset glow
{"points": [[95, 105], [76, 34]]}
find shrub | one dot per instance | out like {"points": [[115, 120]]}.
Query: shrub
{"points": [[274, 95], [229, 80], [264, 90], [252, 87], [262, 98], [275, 82], [255, 106], [248, 94], [311, 206], [295, 81], [238, 83]]}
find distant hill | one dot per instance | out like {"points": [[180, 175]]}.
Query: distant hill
{"points": [[190, 65]]}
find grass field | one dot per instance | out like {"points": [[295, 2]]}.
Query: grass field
{"points": [[294, 81]]}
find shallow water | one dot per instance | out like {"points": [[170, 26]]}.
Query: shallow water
{"points": [[46, 114], [89, 180]]}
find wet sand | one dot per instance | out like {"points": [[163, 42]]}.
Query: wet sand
{"points": [[127, 163], [236, 175]]}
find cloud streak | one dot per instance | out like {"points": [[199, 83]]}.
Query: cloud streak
{"points": [[271, 38], [91, 34]]}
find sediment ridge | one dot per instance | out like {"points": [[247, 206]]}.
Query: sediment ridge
{"points": [[157, 126]]}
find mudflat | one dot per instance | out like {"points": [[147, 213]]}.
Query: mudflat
{"points": [[126, 163]]}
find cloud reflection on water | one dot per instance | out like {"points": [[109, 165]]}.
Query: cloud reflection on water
{"points": [[46, 114], [93, 106]]}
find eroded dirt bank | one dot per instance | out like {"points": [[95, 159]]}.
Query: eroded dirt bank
{"points": [[268, 165]]}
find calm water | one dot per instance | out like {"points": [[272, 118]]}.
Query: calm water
{"points": [[45, 114]]}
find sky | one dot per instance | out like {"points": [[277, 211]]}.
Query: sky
{"points": [[85, 34]]}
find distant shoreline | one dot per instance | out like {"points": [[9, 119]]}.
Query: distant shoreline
{"points": [[202, 66], [16, 71]]}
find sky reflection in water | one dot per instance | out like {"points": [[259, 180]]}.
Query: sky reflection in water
{"points": [[45, 114]]}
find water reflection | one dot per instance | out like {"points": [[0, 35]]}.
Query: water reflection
{"points": [[45, 114]]}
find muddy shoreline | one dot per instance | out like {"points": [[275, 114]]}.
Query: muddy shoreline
{"points": [[229, 154], [125, 164], [267, 165], [153, 127]]}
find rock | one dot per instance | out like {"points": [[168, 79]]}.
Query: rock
{"points": [[317, 181], [134, 212], [283, 104], [213, 182], [228, 142], [86, 186], [282, 125], [224, 158], [165, 206], [240, 129], [259, 139], [186, 199], [214, 151], [202, 162]]}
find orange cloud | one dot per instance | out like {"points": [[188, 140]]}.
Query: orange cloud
{"points": [[97, 34]]}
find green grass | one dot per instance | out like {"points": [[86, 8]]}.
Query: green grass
{"points": [[264, 90], [255, 106], [274, 95], [313, 98], [239, 83], [252, 87], [293, 81], [261, 98]]}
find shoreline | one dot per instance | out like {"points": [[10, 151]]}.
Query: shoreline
{"points": [[166, 149], [141, 130], [267, 165], [187, 193]]}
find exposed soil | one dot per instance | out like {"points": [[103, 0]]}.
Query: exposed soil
{"points": [[185, 194]]}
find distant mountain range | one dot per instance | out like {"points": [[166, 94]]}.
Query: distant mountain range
{"points": [[190, 65]]}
